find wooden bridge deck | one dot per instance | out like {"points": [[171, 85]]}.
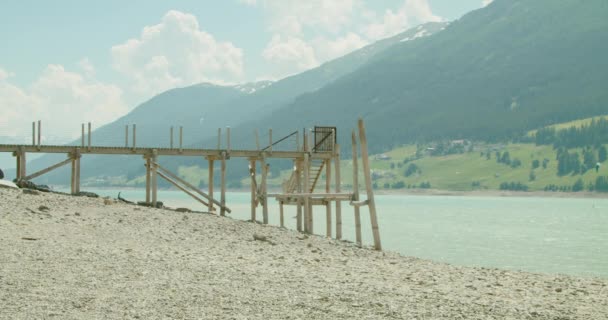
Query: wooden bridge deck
{"points": [[161, 151]]}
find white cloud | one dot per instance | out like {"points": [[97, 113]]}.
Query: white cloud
{"points": [[62, 100], [326, 29], [330, 49], [176, 52], [290, 17], [290, 53], [411, 13], [486, 2]]}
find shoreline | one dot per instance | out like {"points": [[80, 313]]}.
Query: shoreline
{"points": [[417, 192]]}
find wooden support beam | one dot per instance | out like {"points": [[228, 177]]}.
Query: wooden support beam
{"points": [[181, 139], [33, 133], [328, 223], [171, 137], [356, 190], [307, 213], [134, 136], [264, 191], [270, 140], [368, 186], [126, 135], [298, 165], [162, 175], [187, 184], [211, 171], [77, 178], [338, 189], [219, 138], [223, 181], [252, 165], [228, 139], [154, 178], [51, 168], [89, 145], [148, 179], [281, 215], [39, 133], [82, 136]]}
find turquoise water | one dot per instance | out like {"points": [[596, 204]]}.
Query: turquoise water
{"points": [[547, 235]]}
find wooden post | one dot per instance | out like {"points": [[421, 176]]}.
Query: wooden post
{"points": [[89, 148], [39, 132], [134, 136], [219, 138], [228, 139], [338, 187], [171, 137], [211, 209], [126, 135], [270, 140], [306, 167], [181, 138], [253, 191], [77, 178], [298, 165], [264, 191], [328, 204], [20, 157], [368, 185], [154, 178], [34, 133], [82, 137], [73, 175], [148, 178], [281, 217], [356, 190], [223, 181]]}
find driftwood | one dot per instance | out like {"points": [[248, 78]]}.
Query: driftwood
{"points": [[124, 200]]}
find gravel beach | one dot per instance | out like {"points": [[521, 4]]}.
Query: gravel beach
{"points": [[64, 257]]}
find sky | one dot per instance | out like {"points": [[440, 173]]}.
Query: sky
{"points": [[66, 62]]}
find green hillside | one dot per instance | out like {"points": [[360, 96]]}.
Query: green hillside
{"points": [[493, 75]]}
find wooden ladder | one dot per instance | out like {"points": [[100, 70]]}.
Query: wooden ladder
{"points": [[316, 170]]}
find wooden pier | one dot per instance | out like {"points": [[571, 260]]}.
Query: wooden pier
{"points": [[313, 155]]}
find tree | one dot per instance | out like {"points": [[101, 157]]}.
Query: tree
{"points": [[532, 176], [602, 154], [589, 159], [535, 164], [412, 169], [579, 185], [505, 158], [545, 163]]}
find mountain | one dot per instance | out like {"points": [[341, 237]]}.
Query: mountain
{"points": [[201, 109], [512, 66]]}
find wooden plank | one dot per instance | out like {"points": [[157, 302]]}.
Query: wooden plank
{"points": [[356, 190], [162, 175], [338, 189], [181, 139], [33, 133], [126, 135], [39, 133], [368, 186], [162, 152], [211, 182], [73, 177], [51, 168], [82, 136]]}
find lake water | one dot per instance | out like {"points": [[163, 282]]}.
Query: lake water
{"points": [[547, 235]]}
